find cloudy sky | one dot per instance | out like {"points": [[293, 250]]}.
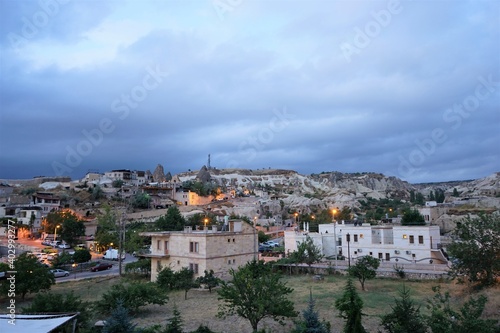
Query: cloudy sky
{"points": [[407, 88]]}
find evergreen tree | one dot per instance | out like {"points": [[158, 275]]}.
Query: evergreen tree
{"points": [[432, 197], [455, 192], [405, 317], [120, 321], [175, 323], [350, 306], [412, 217], [311, 323]]}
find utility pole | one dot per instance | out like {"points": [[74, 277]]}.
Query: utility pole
{"points": [[121, 235]]}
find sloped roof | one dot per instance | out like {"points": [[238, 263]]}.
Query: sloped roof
{"points": [[28, 323]]}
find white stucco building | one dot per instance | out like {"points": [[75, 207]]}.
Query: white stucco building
{"points": [[386, 242]]}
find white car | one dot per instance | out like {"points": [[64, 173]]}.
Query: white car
{"points": [[59, 272], [271, 244], [64, 246]]}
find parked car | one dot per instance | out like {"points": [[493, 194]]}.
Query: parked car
{"points": [[59, 272], [47, 241], [64, 246], [101, 267], [55, 243], [264, 248], [271, 244]]}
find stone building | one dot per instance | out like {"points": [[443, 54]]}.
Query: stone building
{"points": [[206, 249]]}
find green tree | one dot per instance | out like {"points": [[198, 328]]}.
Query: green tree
{"points": [[475, 249], [311, 322], [364, 269], [166, 279], [307, 253], [107, 229], [81, 256], [62, 259], [455, 192], [133, 296], [30, 277], [344, 214], [172, 221], [412, 217], [254, 293], [141, 201], [350, 306], [119, 321], [67, 302], [72, 228], [175, 323], [97, 193], [405, 316], [263, 237], [444, 319], [184, 280], [419, 199], [431, 196], [440, 196], [117, 183], [209, 280]]}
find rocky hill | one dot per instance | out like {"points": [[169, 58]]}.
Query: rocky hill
{"points": [[336, 189]]}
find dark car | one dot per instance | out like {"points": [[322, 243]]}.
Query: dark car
{"points": [[101, 267], [264, 248]]}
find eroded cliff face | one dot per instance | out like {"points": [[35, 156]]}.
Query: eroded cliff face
{"points": [[276, 190]]}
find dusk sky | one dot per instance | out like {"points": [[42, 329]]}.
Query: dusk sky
{"points": [[406, 88]]}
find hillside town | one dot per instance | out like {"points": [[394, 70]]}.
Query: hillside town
{"points": [[235, 216]]}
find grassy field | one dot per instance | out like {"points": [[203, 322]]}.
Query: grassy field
{"points": [[201, 306]]}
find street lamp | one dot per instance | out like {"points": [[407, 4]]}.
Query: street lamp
{"points": [[348, 239], [254, 239], [205, 221], [74, 269], [334, 211], [55, 232]]}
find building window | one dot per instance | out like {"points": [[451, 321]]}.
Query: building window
{"points": [[166, 247], [229, 240], [388, 257], [412, 239], [193, 247], [361, 236], [233, 240], [158, 244], [420, 239], [404, 237], [158, 266], [355, 238], [194, 268]]}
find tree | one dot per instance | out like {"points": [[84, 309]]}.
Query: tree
{"points": [[412, 217], [364, 269], [119, 321], [455, 192], [431, 196], [71, 227], [263, 237], [350, 306], [166, 279], [307, 253], [141, 201], [254, 293], [97, 193], [107, 229], [175, 323], [443, 319], [209, 280], [81, 256], [132, 296], [184, 280], [31, 276], [68, 302], [172, 221], [405, 316], [311, 323], [475, 249]]}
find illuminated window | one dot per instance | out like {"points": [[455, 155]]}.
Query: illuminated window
{"points": [[404, 236]]}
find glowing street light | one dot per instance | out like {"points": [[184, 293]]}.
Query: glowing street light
{"points": [[55, 232], [334, 211]]}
